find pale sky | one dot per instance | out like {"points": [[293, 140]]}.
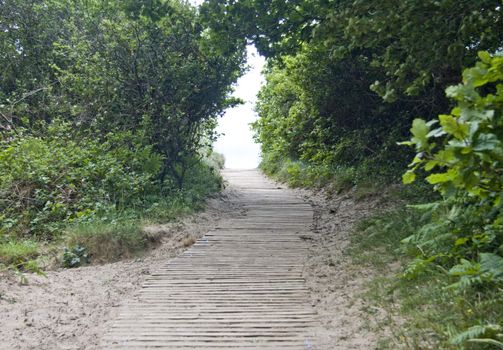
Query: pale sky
{"points": [[236, 143]]}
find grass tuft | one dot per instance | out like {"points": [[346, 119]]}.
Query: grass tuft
{"points": [[188, 241], [108, 241], [18, 253]]}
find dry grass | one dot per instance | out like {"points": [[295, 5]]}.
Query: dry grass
{"points": [[188, 240]]}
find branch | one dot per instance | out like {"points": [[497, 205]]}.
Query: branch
{"points": [[11, 124], [28, 94]]}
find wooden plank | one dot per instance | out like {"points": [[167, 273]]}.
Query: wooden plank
{"points": [[238, 287]]}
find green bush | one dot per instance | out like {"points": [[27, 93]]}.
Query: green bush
{"points": [[432, 314], [463, 154], [106, 110], [47, 182], [365, 178], [118, 232], [464, 157], [215, 160], [92, 194], [75, 256]]}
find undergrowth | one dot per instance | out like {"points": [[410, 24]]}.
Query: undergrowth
{"points": [[426, 313], [110, 233], [365, 179], [19, 254]]}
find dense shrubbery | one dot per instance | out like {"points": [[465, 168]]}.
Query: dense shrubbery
{"points": [[54, 188], [47, 182], [463, 151], [312, 110], [451, 248], [346, 79], [107, 116], [430, 314]]}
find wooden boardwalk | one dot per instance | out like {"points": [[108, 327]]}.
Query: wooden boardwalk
{"points": [[239, 287]]}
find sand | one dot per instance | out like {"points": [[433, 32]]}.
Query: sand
{"points": [[72, 308]]}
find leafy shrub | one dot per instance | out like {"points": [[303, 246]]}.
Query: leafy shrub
{"points": [[466, 164], [385, 229], [47, 182], [215, 160], [364, 178], [490, 334], [91, 194], [434, 312], [118, 233], [74, 257], [464, 158]]}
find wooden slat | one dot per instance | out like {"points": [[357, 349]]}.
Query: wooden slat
{"points": [[238, 287]]}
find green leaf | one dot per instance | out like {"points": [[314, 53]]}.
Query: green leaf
{"points": [[445, 156], [420, 131], [442, 177], [430, 165], [461, 241], [436, 132], [409, 177], [452, 126], [465, 268], [486, 142], [492, 264], [476, 332], [405, 143], [487, 341], [484, 56]]}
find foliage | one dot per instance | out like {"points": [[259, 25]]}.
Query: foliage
{"points": [[107, 114], [346, 78], [119, 233], [103, 241], [362, 180], [385, 229], [487, 334], [464, 158], [19, 257], [215, 160], [303, 116], [430, 314], [390, 33], [48, 182], [18, 254], [119, 66], [448, 293], [75, 256]]}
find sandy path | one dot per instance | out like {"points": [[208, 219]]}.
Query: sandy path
{"points": [[240, 286], [73, 308]]}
